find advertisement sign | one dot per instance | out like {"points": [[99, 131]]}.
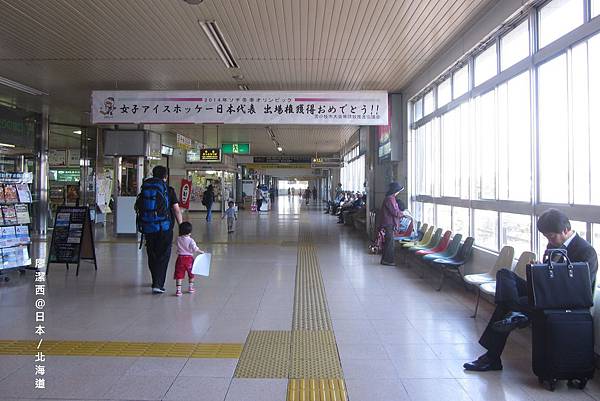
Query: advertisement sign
{"points": [[184, 193], [67, 175], [235, 148], [74, 157], [57, 157], [240, 107]]}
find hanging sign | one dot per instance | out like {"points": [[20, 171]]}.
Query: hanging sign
{"points": [[210, 155], [183, 142], [235, 148], [240, 107], [184, 194]]}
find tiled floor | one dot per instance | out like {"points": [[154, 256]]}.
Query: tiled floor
{"points": [[398, 338]]}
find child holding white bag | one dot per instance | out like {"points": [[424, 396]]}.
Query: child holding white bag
{"points": [[186, 248]]}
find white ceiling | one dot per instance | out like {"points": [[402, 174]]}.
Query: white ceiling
{"points": [[68, 48]]}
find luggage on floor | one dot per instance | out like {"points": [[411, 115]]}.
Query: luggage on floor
{"points": [[563, 347], [559, 283]]}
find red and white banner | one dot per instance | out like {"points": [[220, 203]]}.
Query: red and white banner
{"points": [[184, 194], [240, 107]]}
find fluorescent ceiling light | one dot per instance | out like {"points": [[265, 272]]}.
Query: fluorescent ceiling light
{"points": [[215, 36], [7, 145], [21, 87], [78, 132]]}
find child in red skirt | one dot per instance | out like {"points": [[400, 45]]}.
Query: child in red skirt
{"points": [[186, 247]]}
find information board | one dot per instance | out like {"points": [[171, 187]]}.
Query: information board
{"points": [[72, 238]]}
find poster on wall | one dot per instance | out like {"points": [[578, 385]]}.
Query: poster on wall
{"points": [[240, 107], [74, 157], [185, 194], [57, 157]]}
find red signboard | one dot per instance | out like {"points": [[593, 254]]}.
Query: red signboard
{"points": [[184, 194]]}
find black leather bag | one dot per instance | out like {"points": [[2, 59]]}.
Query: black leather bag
{"points": [[559, 285]]}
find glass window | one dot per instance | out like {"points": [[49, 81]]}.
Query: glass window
{"points": [[486, 65], [485, 138], [418, 107], [595, 8], [444, 93], [514, 46], [594, 99], [460, 221], [444, 217], [428, 213], [514, 168], [579, 123], [460, 80], [596, 237], [553, 131], [435, 160], [450, 152], [485, 226], [418, 211], [516, 232], [580, 227], [558, 18], [428, 104], [466, 154]]}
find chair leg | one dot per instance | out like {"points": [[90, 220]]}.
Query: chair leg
{"points": [[441, 280], [477, 304]]}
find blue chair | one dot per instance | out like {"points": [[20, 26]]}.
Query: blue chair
{"points": [[452, 264]]}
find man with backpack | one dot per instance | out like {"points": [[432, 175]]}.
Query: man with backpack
{"points": [[157, 208]]}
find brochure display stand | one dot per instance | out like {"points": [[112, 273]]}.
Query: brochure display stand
{"points": [[15, 198], [72, 238]]}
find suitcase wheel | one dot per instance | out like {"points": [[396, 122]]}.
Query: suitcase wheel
{"points": [[550, 385], [577, 383]]}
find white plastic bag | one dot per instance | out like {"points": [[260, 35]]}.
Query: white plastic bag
{"points": [[201, 264]]}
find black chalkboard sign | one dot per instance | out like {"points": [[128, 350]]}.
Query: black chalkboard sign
{"points": [[72, 238]]}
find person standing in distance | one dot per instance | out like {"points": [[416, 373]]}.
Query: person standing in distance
{"points": [[390, 219], [208, 198], [259, 198], [157, 210]]}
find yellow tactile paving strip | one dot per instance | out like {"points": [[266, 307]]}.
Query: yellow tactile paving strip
{"points": [[310, 300], [122, 349], [316, 390], [266, 354]]}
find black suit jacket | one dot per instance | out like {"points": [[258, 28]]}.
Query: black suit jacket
{"points": [[579, 250]]}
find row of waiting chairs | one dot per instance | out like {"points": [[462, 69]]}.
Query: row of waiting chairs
{"points": [[448, 254]]}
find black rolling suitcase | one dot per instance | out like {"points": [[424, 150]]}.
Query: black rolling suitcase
{"points": [[563, 347]]}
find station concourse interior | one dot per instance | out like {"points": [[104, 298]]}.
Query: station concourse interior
{"points": [[301, 116]]}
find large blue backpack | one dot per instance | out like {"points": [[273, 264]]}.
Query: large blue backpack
{"points": [[152, 207]]}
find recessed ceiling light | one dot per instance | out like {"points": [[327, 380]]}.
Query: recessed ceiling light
{"points": [[217, 40], [279, 148]]}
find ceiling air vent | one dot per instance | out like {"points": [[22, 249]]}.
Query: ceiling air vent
{"points": [[214, 34]]}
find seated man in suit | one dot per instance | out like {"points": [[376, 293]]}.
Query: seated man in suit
{"points": [[512, 306]]}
